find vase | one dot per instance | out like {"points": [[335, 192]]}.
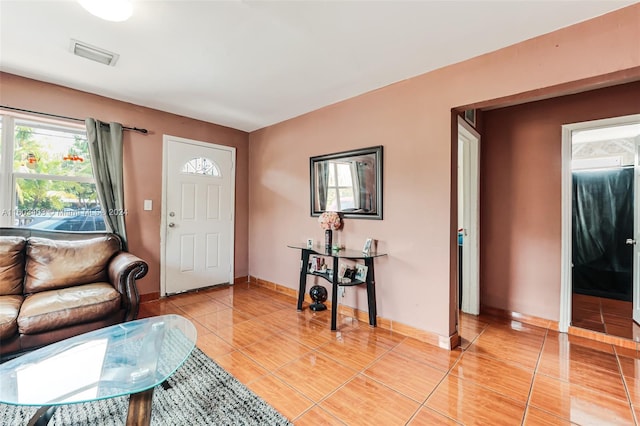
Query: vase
{"points": [[328, 239]]}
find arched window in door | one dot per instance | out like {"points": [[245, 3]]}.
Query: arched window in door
{"points": [[201, 166]]}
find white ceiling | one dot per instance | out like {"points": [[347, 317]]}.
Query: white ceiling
{"points": [[250, 64]]}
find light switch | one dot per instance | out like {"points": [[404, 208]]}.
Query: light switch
{"points": [[148, 204]]}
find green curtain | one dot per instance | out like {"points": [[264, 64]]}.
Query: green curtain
{"points": [[105, 147], [323, 184], [362, 195]]}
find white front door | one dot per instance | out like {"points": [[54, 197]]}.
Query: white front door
{"points": [[198, 214]]}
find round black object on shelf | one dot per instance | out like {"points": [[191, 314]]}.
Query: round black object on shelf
{"points": [[318, 295]]}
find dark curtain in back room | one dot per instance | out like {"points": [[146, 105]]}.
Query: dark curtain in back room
{"points": [[602, 221]]}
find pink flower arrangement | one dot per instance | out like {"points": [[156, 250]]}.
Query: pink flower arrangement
{"points": [[330, 220]]}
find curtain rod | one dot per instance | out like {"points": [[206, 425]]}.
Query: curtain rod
{"points": [[134, 129]]}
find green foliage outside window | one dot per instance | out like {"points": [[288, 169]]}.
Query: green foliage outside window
{"points": [[33, 155]]}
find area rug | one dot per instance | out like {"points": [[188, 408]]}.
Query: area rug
{"points": [[200, 393]]}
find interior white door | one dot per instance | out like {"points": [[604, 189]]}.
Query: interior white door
{"points": [[198, 215], [469, 144], [636, 235]]}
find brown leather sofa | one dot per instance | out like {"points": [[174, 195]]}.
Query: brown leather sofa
{"points": [[55, 285]]}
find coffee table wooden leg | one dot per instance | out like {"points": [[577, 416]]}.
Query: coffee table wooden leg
{"points": [[42, 416], [139, 413]]}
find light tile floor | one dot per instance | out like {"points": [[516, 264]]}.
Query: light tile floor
{"points": [[505, 373]]}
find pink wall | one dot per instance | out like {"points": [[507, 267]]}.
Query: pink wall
{"points": [[521, 196], [143, 159], [416, 283]]}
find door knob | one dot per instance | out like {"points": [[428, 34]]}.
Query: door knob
{"points": [[630, 241], [171, 225]]}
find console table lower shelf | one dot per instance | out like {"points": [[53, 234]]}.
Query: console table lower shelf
{"points": [[336, 256]]}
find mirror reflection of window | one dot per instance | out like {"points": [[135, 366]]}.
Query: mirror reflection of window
{"points": [[340, 188]]}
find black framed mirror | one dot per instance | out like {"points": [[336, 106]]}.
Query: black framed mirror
{"points": [[348, 182]]}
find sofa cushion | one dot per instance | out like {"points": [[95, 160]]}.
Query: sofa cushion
{"points": [[53, 309], [11, 264], [9, 308], [53, 264]]}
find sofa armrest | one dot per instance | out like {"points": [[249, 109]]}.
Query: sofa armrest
{"points": [[124, 269]]}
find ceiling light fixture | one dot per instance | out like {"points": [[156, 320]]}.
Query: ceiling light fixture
{"points": [[80, 48], [109, 10]]}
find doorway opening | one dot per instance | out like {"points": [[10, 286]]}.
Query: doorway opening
{"points": [[600, 228]]}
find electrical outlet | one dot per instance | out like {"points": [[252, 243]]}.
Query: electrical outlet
{"points": [[341, 291]]}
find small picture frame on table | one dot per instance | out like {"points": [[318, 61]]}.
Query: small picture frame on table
{"points": [[342, 269], [309, 243], [367, 246], [361, 273]]}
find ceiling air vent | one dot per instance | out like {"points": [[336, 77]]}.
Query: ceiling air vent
{"points": [[80, 48]]}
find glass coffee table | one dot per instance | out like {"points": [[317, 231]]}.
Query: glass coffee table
{"points": [[124, 359]]}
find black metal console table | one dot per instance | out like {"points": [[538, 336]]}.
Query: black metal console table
{"points": [[334, 280]]}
